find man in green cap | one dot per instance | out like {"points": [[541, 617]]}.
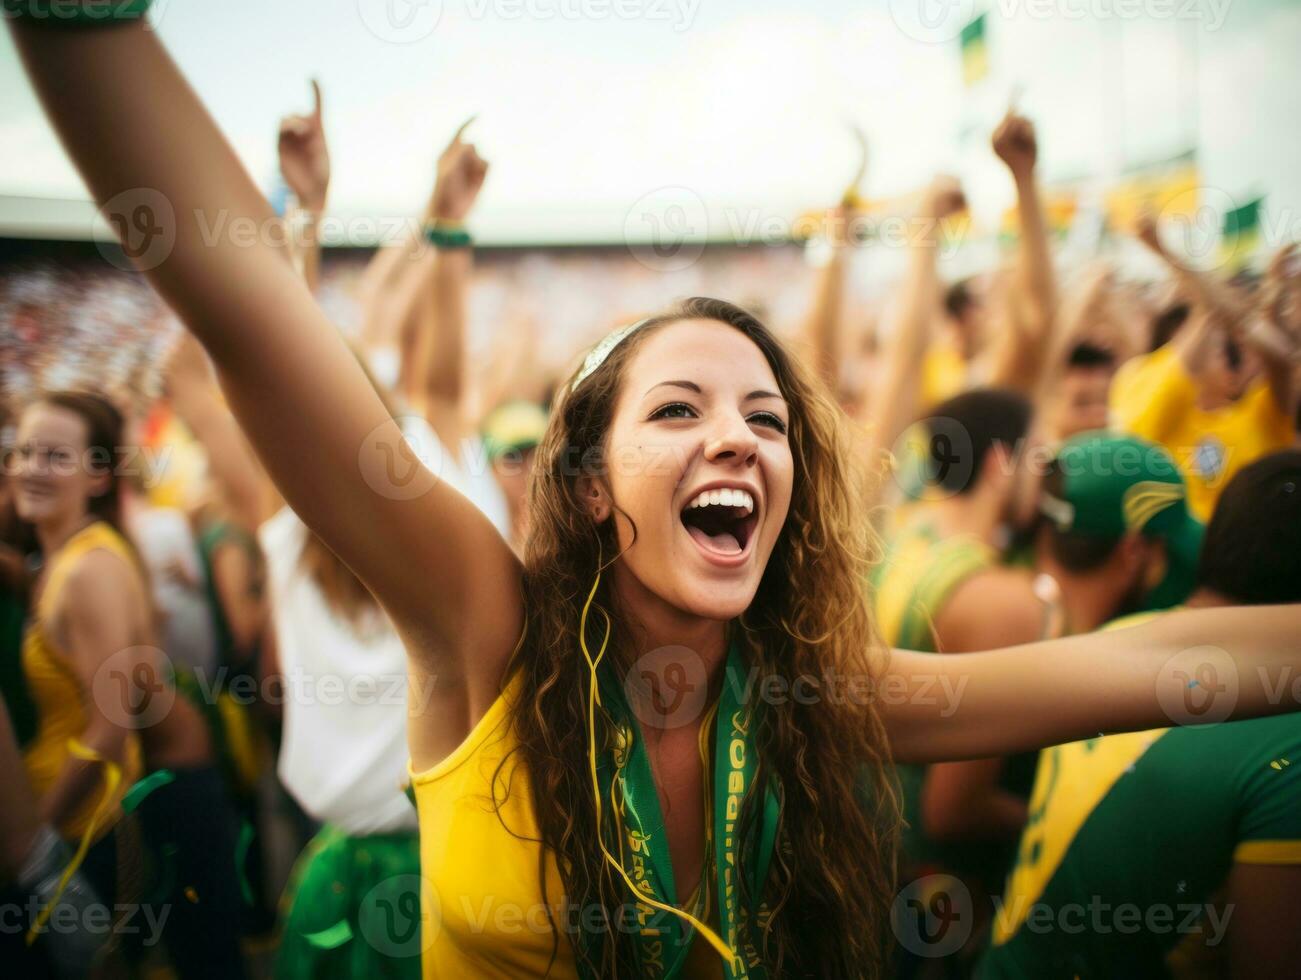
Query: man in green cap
{"points": [[1116, 535]]}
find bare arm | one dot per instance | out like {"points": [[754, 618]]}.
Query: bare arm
{"points": [[128, 120], [232, 464], [943, 708], [823, 329], [433, 332], [1216, 305], [96, 623], [1033, 305], [1276, 333], [305, 166], [892, 405]]}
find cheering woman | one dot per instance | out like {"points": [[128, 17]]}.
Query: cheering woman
{"points": [[694, 526]]}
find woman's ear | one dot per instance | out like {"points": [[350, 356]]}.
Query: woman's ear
{"points": [[594, 498]]}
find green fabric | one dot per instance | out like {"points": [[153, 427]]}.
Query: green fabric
{"points": [[1163, 836], [663, 939], [13, 682], [1105, 480], [337, 900], [87, 13]]}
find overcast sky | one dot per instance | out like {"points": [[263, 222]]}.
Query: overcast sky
{"points": [[587, 106]]}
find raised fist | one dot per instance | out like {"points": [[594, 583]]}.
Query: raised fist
{"points": [[304, 156], [1014, 143], [461, 172]]}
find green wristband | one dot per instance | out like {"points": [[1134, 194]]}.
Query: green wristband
{"points": [[76, 13], [441, 237]]}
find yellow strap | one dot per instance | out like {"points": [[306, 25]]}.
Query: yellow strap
{"points": [[112, 778], [713, 938]]}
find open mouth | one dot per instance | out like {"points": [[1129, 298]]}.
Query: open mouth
{"points": [[721, 521]]}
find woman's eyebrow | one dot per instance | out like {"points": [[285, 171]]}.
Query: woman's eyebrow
{"points": [[692, 386], [689, 385]]}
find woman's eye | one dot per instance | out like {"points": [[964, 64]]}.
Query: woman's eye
{"points": [[768, 418], [677, 410]]}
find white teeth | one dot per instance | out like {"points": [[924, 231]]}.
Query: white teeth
{"points": [[726, 497]]}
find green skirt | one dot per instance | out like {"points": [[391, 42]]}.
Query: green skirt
{"points": [[350, 909]]}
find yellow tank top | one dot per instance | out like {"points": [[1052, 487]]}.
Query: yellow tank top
{"points": [[483, 912], [58, 696]]}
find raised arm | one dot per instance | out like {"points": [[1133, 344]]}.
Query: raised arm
{"points": [[1033, 303], [1183, 667], [305, 166], [822, 333], [892, 405], [433, 333], [1216, 308], [1276, 332], [129, 121]]}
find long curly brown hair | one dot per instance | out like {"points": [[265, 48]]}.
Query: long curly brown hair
{"points": [[832, 874]]}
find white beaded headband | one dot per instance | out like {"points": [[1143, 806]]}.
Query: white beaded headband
{"points": [[597, 355]]}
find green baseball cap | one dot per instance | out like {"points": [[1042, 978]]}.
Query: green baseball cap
{"points": [[513, 427], [1113, 485]]}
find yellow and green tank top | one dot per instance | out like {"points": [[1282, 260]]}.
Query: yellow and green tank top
{"points": [[916, 576], [58, 695], [483, 913]]}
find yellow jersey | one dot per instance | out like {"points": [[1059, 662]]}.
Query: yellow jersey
{"points": [[944, 374], [1154, 397], [58, 696], [483, 913]]}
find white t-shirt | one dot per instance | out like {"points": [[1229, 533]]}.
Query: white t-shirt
{"points": [[343, 752], [167, 547], [470, 474]]}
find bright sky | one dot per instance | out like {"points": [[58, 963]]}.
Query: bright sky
{"points": [[740, 107]]}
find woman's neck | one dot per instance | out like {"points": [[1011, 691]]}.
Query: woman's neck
{"points": [[53, 534], [668, 641]]}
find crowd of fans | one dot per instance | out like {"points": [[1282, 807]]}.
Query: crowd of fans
{"points": [[1047, 450]]}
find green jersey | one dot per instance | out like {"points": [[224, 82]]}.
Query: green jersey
{"points": [[1130, 836]]}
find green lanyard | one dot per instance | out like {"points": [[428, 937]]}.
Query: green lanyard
{"points": [[624, 782]]}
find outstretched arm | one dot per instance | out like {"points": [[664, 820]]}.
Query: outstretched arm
{"points": [[1033, 302], [128, 120], [1181, 668]]}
